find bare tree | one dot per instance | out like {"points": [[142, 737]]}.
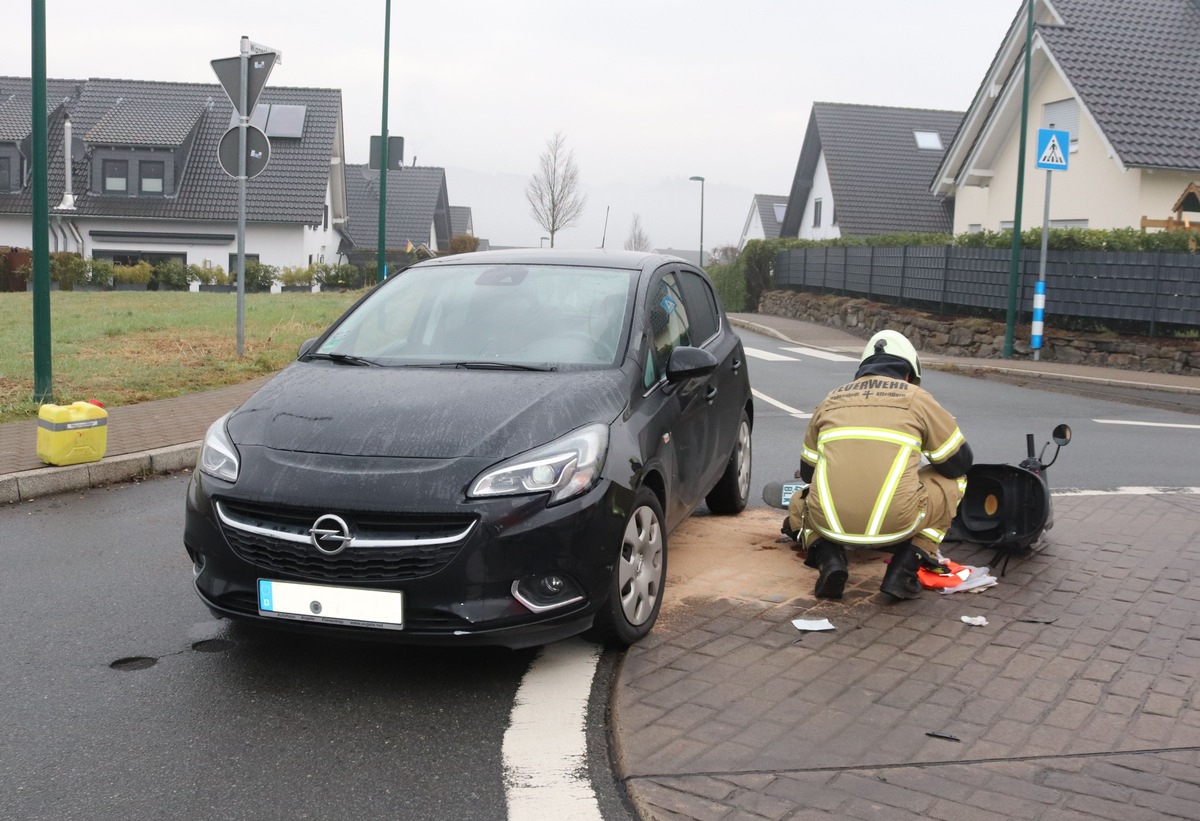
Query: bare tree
{"points": [[723, 255], [553, 191], [637, 239]]}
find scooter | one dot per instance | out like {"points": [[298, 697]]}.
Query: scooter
{"points": [[1005, 507]]}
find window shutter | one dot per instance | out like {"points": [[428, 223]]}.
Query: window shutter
{"points": [[1064, 114]]}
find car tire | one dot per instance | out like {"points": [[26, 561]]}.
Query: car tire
{"points": [[730, 494], [636, 590]]}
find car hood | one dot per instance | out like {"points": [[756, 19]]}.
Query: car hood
{"points": [[434, 413]]}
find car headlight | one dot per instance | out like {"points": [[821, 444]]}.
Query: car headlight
{"points": [[219, 457], [564, 468]]}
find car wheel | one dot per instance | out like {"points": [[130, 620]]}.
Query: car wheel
{"points": [[732, 491], [635, 592]]}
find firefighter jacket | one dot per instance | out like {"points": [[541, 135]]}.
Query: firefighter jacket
{"points": [[865, 443]]}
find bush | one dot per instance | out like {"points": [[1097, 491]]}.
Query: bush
{"points": [[730, 282], [170, 275], [139, 274], [100, 273], [259, 276], [348, 277], [68, 269], [299, 275], [463, 244]]}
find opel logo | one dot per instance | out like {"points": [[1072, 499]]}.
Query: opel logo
{"points": [[330, 534]]}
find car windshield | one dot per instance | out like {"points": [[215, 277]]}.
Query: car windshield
{"points": [[539, 316]]}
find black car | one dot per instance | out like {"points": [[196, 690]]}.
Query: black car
{"points": [[486, 448]]}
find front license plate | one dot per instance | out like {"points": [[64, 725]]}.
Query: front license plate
{"points": [[331, 605]]}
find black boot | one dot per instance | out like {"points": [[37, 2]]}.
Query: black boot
{"points": [[830, 561], [900, 580]]}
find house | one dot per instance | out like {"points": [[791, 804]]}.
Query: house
{"points": [[1120, 76], [461, 221], [864, 170], [145, 182], [418, 209], [764, 220]]}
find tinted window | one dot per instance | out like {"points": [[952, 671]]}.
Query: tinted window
{"points": [[116, 176], [152, 176], [669, 326], [702, 307]]}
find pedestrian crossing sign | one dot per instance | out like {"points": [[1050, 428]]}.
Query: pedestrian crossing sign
{"points": [[1053, 149]]}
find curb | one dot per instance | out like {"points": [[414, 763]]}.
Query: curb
{"points": [[936, 363], [30, 484]]}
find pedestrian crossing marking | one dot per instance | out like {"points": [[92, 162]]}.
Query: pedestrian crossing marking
{"points": [[1053, 154]]}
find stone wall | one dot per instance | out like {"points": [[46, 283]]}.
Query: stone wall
{"points": [[984, 338]]}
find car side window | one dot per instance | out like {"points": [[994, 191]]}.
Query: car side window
{"points": [[669, 326], [702, 307]]}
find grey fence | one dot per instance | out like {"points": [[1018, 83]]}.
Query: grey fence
{"points": [[1151, 288]]}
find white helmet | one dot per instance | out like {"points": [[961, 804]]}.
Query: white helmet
{"points": [[893, 343]]}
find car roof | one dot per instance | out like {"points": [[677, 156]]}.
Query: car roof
{"points": [[592, 257]]}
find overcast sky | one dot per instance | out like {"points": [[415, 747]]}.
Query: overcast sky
{"points": [[647, 92]]}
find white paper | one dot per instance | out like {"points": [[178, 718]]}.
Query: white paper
{"points": [[813, 625], [978, 621]]}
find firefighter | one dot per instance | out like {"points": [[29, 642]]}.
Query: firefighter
{"points": [[866, 485]]}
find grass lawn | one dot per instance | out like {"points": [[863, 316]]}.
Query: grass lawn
{"points": [[122, 347]]}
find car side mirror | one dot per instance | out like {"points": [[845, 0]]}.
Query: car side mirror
{"points": [[689, 363], [305, 347]]}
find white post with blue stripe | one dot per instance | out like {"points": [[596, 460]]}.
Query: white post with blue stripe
{"points": [[1054, 148]]}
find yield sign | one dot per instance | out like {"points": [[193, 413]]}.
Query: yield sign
{"points": [[229, 72]]}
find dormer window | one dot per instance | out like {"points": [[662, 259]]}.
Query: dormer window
{"points": [[116, 176], [151, 173]]}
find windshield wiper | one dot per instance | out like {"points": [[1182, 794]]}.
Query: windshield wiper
{"points": [[500, 366], [343, 358]]}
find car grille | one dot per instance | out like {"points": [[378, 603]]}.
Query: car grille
{"points": [[397, 547]]}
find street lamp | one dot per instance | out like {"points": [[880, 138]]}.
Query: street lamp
{"points": [[701, 181], [542, 241]]}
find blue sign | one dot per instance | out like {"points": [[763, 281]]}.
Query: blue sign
{"points": [[1053, 149]]}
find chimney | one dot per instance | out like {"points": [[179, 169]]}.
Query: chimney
{"points": [[68, 200]]}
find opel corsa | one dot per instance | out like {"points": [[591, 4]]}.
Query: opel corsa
{"points": [[486, 448]]}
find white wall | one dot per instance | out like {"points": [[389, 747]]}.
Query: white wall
{"points": [[821, 190]]}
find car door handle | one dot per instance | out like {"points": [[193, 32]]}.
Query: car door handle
{"points": [[737, 365], [710, 394]]}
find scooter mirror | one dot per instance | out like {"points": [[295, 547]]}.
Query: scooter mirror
{"points": [[1061, 435]]}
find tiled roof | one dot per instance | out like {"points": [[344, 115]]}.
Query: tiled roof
{"points": [[416, 200], [766, 213], [1136, 67], [292, 189], [460, 220], [16, 98], [879, 177]]}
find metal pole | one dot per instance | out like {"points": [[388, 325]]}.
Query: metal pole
{"points": [[700, 180], [1039, 292], [243, 122], [381, 262], [43, 387], [1014, 263]]}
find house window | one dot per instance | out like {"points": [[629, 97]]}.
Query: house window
{"points": [[6, 174], [233, 261], [928, 140], [1062, 115], [816, 213], [325, 219], [116, 176], [151, 177]]}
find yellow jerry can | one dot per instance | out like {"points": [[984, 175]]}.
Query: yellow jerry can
{"points": [[72, 434]]}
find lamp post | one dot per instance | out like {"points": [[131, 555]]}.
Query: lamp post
{"points": [[701, 181], [381, 240], [542, 241]]}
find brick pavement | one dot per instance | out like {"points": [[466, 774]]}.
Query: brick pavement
{"points": [[1079, 699]]}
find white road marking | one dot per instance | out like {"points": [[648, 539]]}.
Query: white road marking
{"points": [[545, 746], [1145, 424], [818, 354], [770, 356], [799, 414], [1129, 491]]}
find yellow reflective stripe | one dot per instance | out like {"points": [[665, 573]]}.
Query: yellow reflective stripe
{"points": [[821, 478], [867, 541], [947, 449], [810, 456], [962, 484], [887, 492], [872, 434], [934, 535]]}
